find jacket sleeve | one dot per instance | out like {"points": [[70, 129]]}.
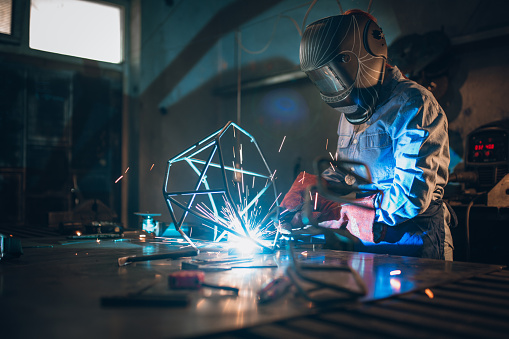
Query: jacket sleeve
{"points": [[421, 151]]}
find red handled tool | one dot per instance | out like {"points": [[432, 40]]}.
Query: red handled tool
{"points": [[194, 280]]}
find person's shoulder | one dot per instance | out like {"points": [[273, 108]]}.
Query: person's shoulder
{"points": [[408, 90]]}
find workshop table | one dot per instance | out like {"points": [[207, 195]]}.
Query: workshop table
{"points": [[59, 288]]}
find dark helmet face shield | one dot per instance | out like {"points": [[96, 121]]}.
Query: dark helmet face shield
{"points": [[338, 55]]}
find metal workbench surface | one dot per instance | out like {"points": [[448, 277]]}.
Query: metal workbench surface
{"points": [[57, 288]]}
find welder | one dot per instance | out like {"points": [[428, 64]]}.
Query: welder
{"points": [[391, 124]]}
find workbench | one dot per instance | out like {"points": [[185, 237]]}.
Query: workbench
{"points": [[59, 288]]}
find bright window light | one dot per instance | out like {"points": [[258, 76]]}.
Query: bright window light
{"points": [[5, 16], [78, 28]]}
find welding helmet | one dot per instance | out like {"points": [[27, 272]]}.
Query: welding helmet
{"points": [[344, 56]]}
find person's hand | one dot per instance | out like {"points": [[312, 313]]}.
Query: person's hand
{"points": [[322, 209], [295, 198], [359, 220]]}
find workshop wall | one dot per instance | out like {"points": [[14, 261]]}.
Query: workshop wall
{"points": [[189, 69], [203, 98]]}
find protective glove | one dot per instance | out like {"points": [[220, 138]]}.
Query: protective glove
{"points": [[296, 196], [359, 221]]}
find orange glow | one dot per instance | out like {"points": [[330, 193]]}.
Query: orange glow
{"points": [[429, 293], [78, 233], [395, 284]]}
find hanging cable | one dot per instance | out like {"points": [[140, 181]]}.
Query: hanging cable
{"points": [[307, 13], [467, 223], [264, 48], [340, 8], [294, 22], [238, 38]]}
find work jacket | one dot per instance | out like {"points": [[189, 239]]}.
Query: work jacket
{"points": [[406, 147]]}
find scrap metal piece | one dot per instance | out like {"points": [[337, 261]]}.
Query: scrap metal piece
{"points": [[187, 252], [10, 247]]}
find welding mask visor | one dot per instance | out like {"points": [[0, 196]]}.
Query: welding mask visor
{"points": [[344, 56]]}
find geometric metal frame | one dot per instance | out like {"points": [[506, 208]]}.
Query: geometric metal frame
{"points": [[213, 144]]}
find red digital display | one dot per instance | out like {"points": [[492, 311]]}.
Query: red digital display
{"points": [[488, 148]]}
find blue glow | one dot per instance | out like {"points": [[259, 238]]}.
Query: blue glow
{"points": [[284, 105], [455, 160]]}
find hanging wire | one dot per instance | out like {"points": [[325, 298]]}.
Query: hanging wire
{"points": [[294, 22], [369, 6], [340, 8], [178, 47], [264, 48], [307, 13]]}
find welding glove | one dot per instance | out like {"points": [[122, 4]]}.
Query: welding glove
{"points": [[322, 209], [359, 220]]}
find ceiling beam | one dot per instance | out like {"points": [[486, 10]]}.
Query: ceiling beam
{"points": [[226, 20]]}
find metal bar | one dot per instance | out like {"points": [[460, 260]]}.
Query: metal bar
{"points": [[228, 195], [232, 169], [198, 184], [211, 198], [195, 192]]}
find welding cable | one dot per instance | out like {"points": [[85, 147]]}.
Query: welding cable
{"points": [[264, 48], [340, 7], [295, 272], [307, 13], [369, 6], [467, 222]]}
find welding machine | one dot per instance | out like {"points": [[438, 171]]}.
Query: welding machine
{"points": [[486, 157], [483, 206], [488, 154]]}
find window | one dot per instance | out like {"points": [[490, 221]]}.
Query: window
{"points": [[78, 28], [6, 17]]}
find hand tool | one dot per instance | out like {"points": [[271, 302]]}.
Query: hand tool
{"points": [[194, 280]]}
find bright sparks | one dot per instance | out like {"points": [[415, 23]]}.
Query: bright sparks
{"points": [[395, 284], [429, 293], [119, 178], [151, 167], [395, 272], [249, 221], [282, 144]]}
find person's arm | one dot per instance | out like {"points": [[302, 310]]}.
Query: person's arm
{"points": [[420, 143]]}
